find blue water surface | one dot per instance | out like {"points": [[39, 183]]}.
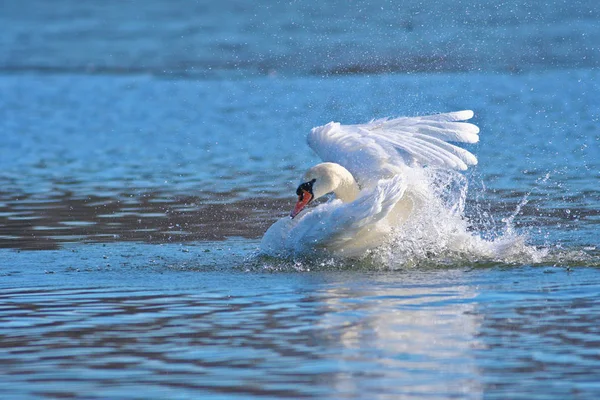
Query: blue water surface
{"points": [[145, 147]]}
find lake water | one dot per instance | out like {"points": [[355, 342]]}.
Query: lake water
{"points": [[145, 147]]}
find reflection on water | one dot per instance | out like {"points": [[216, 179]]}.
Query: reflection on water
{"points": [[418, 334], [552, 338], [30, 223], [427, 334], [347, 341]]}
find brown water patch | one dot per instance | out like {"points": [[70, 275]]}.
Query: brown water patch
{"points": [[29, 223]]}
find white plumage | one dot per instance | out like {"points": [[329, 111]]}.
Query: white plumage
{"points": [[376, 172], [373, 150]]}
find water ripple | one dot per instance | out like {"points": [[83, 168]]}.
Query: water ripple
{"points": [[413, 334]]}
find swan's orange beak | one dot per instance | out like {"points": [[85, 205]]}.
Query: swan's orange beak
{"points": [[303, 199]]}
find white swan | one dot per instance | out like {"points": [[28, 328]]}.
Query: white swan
{"points": [[376, 173]]}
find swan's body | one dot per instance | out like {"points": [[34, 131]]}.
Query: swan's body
{"points": [[376, 173]]}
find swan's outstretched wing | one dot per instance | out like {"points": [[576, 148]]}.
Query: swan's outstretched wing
{"points": [[333, 225], [376, 149]]}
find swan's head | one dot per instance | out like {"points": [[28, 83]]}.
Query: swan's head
{"points": [[305, 194], [317, 182]]}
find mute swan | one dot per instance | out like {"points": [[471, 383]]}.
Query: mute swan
{"points": [[375, 172]]}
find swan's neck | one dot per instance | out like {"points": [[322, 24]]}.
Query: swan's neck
{"points": [[331, 177], [347, 189]]}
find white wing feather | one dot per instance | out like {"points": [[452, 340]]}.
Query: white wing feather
{"points": [[376, 149]]}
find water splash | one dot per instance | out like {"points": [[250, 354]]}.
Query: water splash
{"points": [[437, 233], [441, 233]]}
